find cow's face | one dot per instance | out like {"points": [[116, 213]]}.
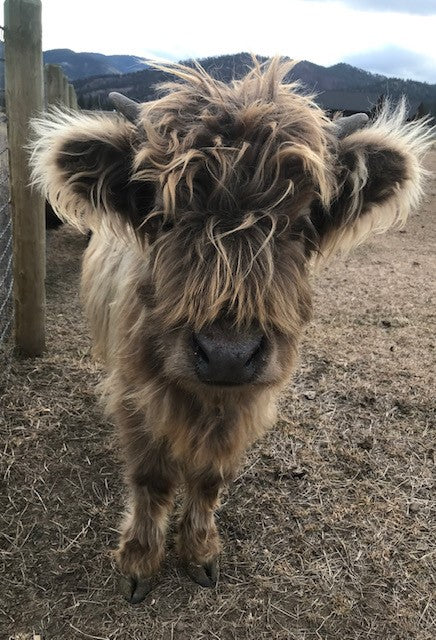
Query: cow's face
{"points": [[234, 171], [230, 191], [227, 309]]}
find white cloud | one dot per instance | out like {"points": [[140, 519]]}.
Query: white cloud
{"points": [[397, 62]]}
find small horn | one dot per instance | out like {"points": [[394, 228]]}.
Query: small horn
{"points": [[127, 107], [350, 124]]}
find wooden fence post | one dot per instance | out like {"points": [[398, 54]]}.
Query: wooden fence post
{"points": [[54, 85], [66, 93], [72, 102], [24, 98]]}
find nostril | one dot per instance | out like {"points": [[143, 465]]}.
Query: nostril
{"points": [[199, 351], [256, 353], [224, 357]]}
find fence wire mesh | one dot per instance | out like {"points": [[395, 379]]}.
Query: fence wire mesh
{"points": [[6, 273]]}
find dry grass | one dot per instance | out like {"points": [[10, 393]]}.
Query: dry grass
{"points": [[329, 529]]}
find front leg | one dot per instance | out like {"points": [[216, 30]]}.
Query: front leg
{"points": [[198, 539], [152, 476]]}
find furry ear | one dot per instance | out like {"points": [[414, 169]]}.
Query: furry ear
{"points": [[380, 181], [83, 166]]}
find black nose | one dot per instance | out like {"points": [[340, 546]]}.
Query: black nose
{"points": [[223, 357]]}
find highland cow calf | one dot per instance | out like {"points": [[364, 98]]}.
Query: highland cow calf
{"points": [[208, 208]]}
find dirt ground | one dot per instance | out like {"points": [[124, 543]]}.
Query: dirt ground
{"points": [[329, 529]]}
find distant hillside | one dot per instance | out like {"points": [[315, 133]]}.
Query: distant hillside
{"points": [[93, 91], [82, 65], [95, 75]]}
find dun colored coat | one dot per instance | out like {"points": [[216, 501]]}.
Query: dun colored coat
{"points": [[209, 207]]}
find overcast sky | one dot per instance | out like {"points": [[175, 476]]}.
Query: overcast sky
{"points": [[393, 37]]}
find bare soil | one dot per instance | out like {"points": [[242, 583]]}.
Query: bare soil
{"points": [[329, 529]]}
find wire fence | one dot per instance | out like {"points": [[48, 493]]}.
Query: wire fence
{"points": [[6, 272]]}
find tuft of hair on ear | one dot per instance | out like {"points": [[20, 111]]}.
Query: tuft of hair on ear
{"points": [[83, 164], [381, 179]]}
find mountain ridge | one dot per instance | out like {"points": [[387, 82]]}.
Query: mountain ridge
{"points": [[94, 75], [139, 85], [86, 63]]}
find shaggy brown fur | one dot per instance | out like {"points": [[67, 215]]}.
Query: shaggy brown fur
{"points": [[211, 209]]}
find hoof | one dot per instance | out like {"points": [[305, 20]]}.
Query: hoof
{"points": [[134, 590], [203, 574]]}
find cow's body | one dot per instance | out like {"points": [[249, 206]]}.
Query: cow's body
{"points": [[208, 211]]}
